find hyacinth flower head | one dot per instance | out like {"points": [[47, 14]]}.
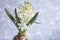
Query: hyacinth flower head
{"points": [[25, 12], [24, 17]]}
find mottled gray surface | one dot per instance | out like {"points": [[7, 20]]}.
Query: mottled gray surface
{"points": [[49, 16]]}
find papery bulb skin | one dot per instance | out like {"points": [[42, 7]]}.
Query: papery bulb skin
{"points": [[20, 37]]}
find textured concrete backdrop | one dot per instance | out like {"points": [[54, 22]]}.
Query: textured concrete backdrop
{"points": [[49, 16]]}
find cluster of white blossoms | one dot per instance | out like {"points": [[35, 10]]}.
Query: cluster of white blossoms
{"points": [[26, 13]]}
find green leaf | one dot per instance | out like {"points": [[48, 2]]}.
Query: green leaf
{"points": [[32, 20], [17, 18], [11, 17], [22, 32]]}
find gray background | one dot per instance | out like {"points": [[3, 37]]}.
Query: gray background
{"points": [[49, 17]]}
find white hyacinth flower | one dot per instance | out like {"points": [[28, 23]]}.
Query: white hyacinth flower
{"points": [[26, 13]]}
